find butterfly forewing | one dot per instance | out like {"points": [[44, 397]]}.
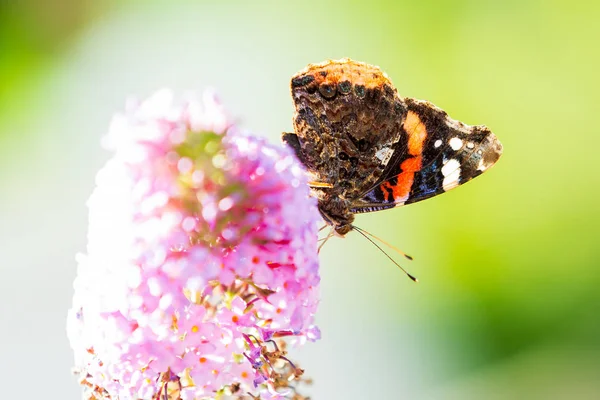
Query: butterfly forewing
{"points": [[438, 154]]}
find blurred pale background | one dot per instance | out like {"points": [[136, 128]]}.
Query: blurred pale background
{"points": [[509, 302]]}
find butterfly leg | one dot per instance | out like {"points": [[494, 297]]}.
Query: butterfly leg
{"points": [[325, 239]]}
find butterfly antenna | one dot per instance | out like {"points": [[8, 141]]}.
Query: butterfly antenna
{"points": [[391, 246], [414, 279]]}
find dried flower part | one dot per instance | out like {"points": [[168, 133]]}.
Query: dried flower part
{"points": [[201, 251]]}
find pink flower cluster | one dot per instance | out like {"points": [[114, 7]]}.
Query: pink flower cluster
{"points": [[202, 248]]}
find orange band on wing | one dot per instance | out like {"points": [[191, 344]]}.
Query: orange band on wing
{"points": [[404, 181], [417, 133], [412, 164]]}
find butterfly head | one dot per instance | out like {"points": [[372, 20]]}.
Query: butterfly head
{"points": [[336, 213]]}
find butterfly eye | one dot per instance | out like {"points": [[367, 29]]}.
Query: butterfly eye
{"points": [[327, 90], [344, 87], [343, 156]]}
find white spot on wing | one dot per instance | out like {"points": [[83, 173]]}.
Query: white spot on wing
{"points": [[481, 166], [450, 166], [451, 172], [384, 155], [437, 143], [456, 143], [470, 145]]}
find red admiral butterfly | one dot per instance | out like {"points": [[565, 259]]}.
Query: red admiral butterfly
{"points": [[368, 149]]}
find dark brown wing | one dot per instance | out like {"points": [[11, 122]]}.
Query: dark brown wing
{"points": [[347, 121]]}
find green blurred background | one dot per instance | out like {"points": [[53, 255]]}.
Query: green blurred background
{"points": [[509, 301]]}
